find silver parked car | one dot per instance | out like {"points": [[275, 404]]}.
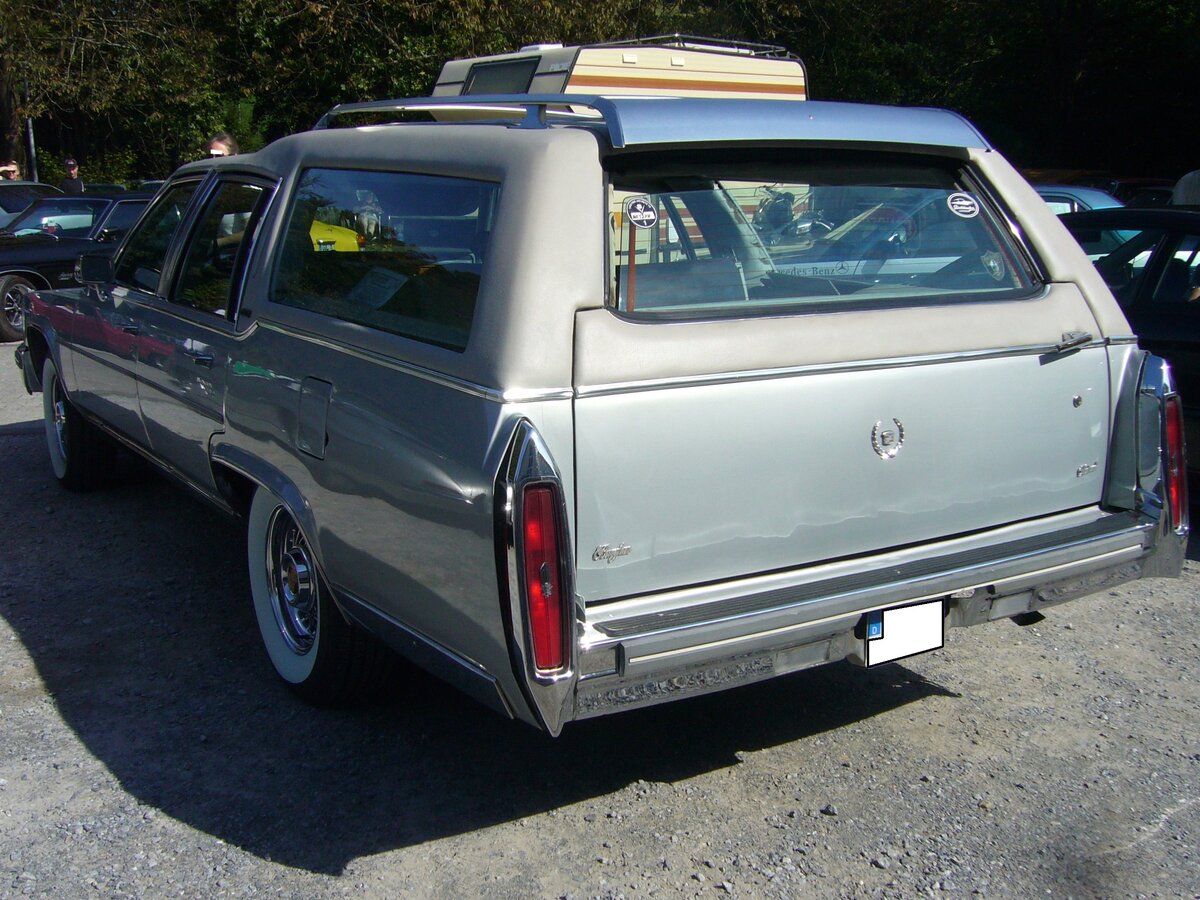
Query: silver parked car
{"points": [[516, 387]]}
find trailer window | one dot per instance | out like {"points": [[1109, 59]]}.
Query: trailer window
{"points": [[508, 77], [744, 237]]}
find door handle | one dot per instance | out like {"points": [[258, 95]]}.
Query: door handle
{"points": [[131, 329], [1072, 339], [202, 359]]}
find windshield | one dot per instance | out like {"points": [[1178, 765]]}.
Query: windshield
{"points": [[59, 216], [751, 238]]}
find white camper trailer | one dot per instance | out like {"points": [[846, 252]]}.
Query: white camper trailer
{"points": [[664, 66]]}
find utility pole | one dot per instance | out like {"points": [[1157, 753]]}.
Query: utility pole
{"points": [[30, 146]]}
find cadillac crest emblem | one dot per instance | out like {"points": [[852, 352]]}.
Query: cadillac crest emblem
{"points": [[886, 442]]}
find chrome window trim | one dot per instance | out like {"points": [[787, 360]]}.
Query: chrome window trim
{"points": [[495, 395], [826, 368]]}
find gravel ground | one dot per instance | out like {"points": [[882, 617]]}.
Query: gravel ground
{"points": [[146, 751]]}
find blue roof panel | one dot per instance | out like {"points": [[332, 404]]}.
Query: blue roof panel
{"points": [[650, 121]]}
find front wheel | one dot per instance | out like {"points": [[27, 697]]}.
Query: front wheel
{"points": [[81, 456], [322, 657], [13, 289]]}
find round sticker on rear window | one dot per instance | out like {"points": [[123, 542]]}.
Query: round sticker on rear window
{"points": [[963, 205], [641, 212]]}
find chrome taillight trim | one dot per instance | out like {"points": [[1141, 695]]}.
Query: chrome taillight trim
{"points": [[1175, 462], [527, 463], [1156, 388]]}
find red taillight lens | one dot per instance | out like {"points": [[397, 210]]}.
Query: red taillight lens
{"points": [[543, 586], [1177, 492]]}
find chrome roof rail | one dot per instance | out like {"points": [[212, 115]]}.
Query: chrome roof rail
{"points": [[535, 108], [697, 42]]}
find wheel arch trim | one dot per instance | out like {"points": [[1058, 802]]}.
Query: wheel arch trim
{"points": [[40, 282]]}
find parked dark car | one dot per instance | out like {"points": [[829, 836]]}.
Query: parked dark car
{"points": [[1134, 191], [15, 197], [1150, 259], [39, 247]]}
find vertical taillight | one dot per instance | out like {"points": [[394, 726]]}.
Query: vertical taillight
{"points": [[543, 582], [1176, 464]]}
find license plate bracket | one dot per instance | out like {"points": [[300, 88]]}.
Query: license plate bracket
{"points": [[903, 631]]}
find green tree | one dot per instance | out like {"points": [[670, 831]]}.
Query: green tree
{"points": [[122, 84]]}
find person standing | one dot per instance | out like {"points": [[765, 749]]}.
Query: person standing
{"points": [[72, 184], [222, 144]]}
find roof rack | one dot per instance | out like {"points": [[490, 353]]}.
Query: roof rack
{"points": [[533, 109], [696, 42]]}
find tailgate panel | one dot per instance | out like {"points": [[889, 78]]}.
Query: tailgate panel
{"points": [[702, 482]]}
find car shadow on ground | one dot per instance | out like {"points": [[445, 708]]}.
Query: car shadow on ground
{"points": [[1193, 547], [132, 604]]}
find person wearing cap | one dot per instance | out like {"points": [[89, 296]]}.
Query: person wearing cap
{"points": [[222, 144], [72, 184]]}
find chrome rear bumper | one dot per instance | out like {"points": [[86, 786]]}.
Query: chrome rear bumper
{"points": [[646, 650]]}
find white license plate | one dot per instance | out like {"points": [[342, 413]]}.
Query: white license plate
{"points": [[893, 634]]}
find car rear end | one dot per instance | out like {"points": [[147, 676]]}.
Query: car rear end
{"points": [[921, 411]]}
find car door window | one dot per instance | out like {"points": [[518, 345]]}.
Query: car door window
{"points": [[123, 215], [142, 259], [1179, 281], [210, 277]]}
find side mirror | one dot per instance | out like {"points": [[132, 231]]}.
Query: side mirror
{"points": [[110, 235], [94, 268]]}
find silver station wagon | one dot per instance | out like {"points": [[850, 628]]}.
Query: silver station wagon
{"points": [[590, 403]]}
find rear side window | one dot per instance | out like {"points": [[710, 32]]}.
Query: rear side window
{"points": [[746, 237], [398, 252]]}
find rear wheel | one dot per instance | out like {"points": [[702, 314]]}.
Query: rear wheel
{"points": [[81, 456], [322, 657], [13, 289]]}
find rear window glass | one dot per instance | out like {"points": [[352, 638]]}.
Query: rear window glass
{"points": [[766, 237], [398, 252]]}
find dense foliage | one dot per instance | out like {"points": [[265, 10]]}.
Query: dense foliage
{"points": [[133, 87]]}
